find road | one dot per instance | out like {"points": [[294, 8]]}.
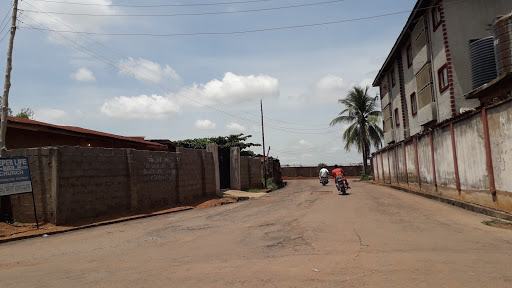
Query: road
{"points": [[304, 235]]}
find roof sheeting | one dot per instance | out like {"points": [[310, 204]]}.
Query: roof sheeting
{"points": [[82, 131]]}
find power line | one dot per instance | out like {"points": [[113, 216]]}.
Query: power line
{"points": [[224, 33], [185, 87], [156, 6], [189, 14], [166, 89], [5, 17]]}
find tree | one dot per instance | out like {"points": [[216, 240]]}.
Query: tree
{"points": [[26, 113], [321, 164], [233, 140], [361, 111]]}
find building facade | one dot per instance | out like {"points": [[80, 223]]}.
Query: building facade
{"points": [[427, 73]]}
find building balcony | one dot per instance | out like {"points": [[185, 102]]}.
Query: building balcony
{"points": [[389, 137], [427, 114]]}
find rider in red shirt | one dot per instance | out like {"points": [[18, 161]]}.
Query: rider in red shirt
{"points": [[339, 172]]}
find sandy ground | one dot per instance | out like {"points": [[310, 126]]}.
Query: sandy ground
{"points": [[304, 235], [19, 230]]}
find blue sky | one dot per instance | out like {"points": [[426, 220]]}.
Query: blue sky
{"points": [[194, 86]]}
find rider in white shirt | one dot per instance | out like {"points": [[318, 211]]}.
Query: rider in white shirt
{"points": [[323, 173]]}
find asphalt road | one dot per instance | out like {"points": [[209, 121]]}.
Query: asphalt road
{"points": [[302, 236]]}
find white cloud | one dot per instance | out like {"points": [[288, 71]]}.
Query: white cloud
{"points": [[235, 128], [302, 144], [64, 22], [52, 116], [307, 156], [205, 125], [234, 89], [330, 88], [139, 107], [149, 70], [83, 75], [305, 143]]}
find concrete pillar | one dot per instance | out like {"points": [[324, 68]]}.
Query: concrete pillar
{"points": [[214, 149], [234, 170]]}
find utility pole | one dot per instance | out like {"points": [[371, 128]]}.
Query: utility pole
{"points": [[5, 206], [7, 84], [263, 140]]}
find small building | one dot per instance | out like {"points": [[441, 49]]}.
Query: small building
{"points": [[427, 74], [25, 133]]}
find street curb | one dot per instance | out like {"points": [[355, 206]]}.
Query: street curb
{"points": [[93, 225], [464, 205]]}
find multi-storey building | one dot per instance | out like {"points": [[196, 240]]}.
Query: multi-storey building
{"points": [[427, 73]]}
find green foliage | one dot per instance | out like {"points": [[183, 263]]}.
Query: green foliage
{"points": [[233, 140], [26, 113], [270, 184], [321, 165], [363, 115]]}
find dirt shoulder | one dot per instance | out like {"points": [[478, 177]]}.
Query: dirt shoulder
{"points": [[19, 231]]}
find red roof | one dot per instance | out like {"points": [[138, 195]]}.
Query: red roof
{"points": [[83, 131]]}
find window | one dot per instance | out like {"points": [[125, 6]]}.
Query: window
{"points": [[393, 80], [384, 89], [414, 104], [409, 56], [442, 74], [397, 119], [436, 16]]}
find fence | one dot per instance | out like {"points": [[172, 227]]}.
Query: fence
{"points": [[468, 159], [73, 183], [313, 171]]}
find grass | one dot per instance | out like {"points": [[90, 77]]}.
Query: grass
{"points": [[498, 223]]}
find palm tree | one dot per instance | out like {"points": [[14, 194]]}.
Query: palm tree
{"points": [[363, 115]]}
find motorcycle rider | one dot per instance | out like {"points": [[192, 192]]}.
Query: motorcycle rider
{"points": [[323, 173], [339, 172]]}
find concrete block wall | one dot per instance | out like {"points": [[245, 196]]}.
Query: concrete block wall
{"points": [[250, 173], [42, 163], [313, 171], [91, 182], [74, 183], [153, 179], [471, 159], [196, 174]]}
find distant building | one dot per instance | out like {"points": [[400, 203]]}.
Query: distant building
{"points": [[427, 73], [24, 133]]}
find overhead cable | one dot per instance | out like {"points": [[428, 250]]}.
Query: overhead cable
{"points": [[223, 33], [155, 6], [188, 14]]}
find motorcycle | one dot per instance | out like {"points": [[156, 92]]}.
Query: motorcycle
{"points": [[341, 185], [324, 180]]}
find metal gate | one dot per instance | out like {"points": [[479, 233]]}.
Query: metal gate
{"points": [[224, 168]]}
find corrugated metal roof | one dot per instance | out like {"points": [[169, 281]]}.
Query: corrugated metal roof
{"points": [[83, 131]]}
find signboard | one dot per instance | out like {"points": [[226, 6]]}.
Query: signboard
{"points": [[14, 176]]}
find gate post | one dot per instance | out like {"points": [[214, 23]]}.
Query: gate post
{"points": [[214, 149]]}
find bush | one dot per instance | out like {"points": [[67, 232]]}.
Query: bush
{"points": [[270, 184]]}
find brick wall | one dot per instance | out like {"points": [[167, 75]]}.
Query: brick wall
{"points": [[313, 171], [73, 183], [42, 162], [91, 182], [250, 173], [196, 174]]}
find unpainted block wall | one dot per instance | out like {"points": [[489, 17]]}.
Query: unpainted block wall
{"points": [[74, 183], [313, 171], [196, 174], [153, 177], [250, 173], [91, 182], [42, 163]]}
